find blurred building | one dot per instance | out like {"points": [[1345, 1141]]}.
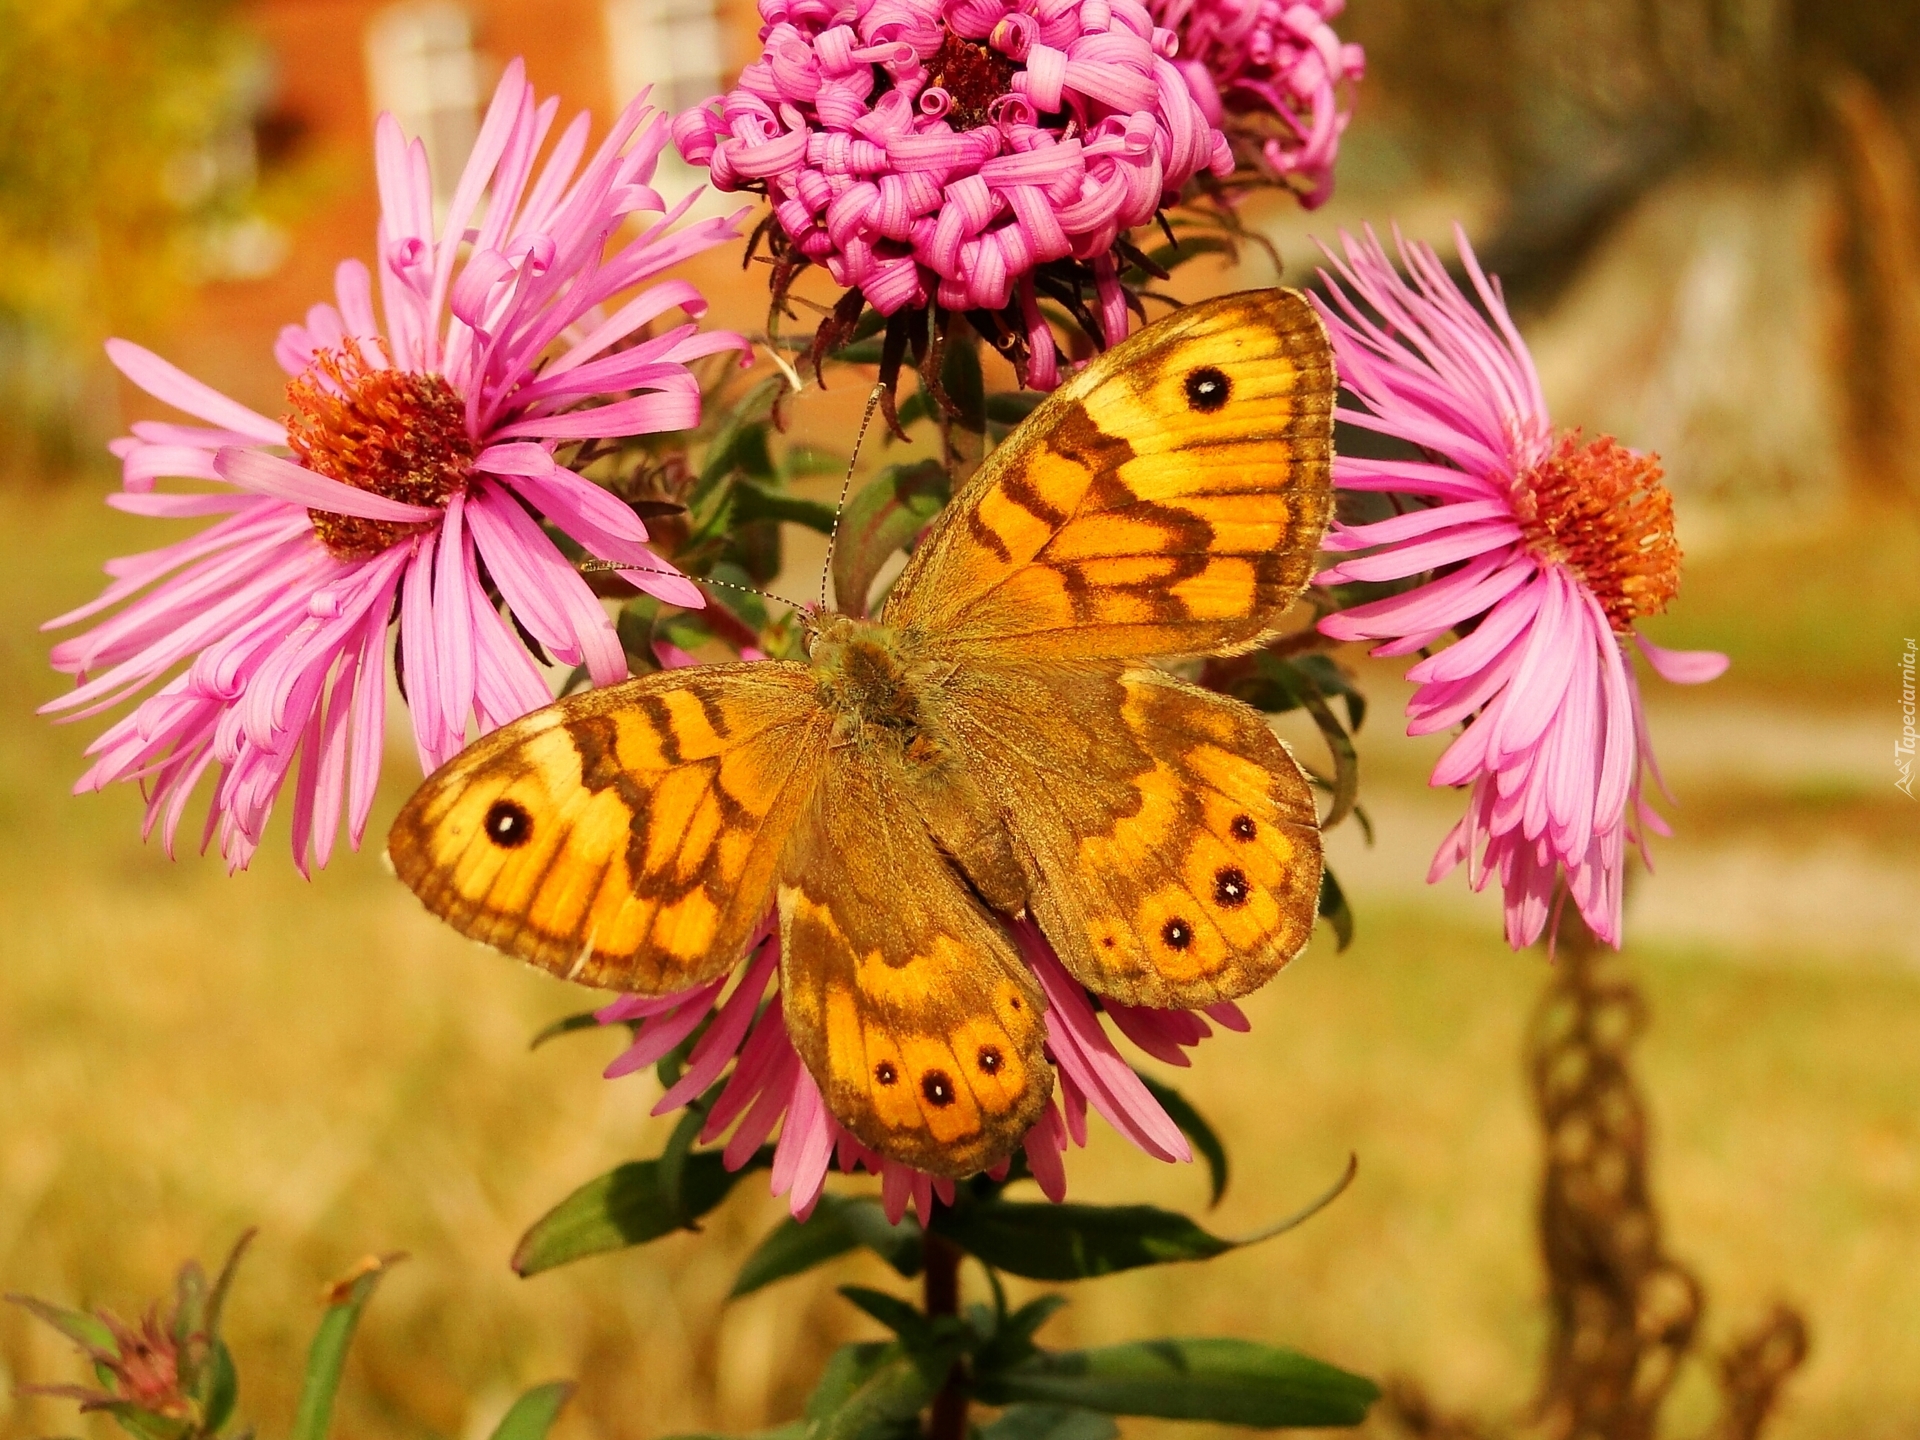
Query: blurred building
{"points": [[335, 64]]}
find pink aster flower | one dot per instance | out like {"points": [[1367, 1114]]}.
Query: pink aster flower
{"points": [[946, 150], [1538, 550], [1273, 75], [406, 487]]}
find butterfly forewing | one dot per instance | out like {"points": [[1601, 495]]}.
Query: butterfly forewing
{"points": [[903, 995], [627, 837], [1167, 501]]}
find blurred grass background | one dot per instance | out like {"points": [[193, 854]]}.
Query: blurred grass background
{"points": [[1707, 216]]}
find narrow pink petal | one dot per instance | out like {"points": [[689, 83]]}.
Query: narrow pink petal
{"points": [[168, 382], [267, 474], [720, 1044], [1683, 667]]}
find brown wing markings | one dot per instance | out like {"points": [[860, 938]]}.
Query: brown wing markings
{"points": [[1119, 789], [1031, 564], [640, 872], [986, 534], [904, 997]]}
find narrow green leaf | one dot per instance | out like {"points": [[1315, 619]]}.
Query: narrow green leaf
{"points": [[219, 1388], [565, 1025], [1334, 909], [86, 1331], [904, 1319], [533, 1414], [626, 1206], [1194, 1126], [1233, 1382], [1041, 1241], [884, 516], [965, 385], [1079, 1242], [1009, 408], [223, 1285], [144, 1424], [1049, 1422], [327, 1356], [752, 503], [871, 1391], [839, 1223]]}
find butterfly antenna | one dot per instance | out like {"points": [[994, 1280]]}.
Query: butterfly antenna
{"points": [[846, 484], [598, 567]]}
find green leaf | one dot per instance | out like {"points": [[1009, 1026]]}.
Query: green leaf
{"points": [[219, 1388], [1078, 1242], [327, 1356], [887, 514], [1334, 909], [1011, 1341], [1009, 407], [86, 1331], [890, 1310], [533, 1414], [964, 384], [565, 1025], [870, 1391], [723, 455], [1043, 1241], [1190, 246], [1233, 1382], [144, 1424], [1194, 1126], [752, 503], [839, 1223], [1049, 1422], [626, 1206]]}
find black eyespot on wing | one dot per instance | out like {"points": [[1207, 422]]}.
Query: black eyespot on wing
{"points": [[508, 825], [1243, 827], [1208, 389], [1230, 887], [937, 1088], [990, 1061], [885, 1073], [1177, 934]]}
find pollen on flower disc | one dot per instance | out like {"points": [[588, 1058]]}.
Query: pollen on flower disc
{"points": [[1600, 510], [397, 433]]}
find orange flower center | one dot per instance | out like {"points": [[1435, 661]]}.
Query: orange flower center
{"points": [[1600, 510], [398, 433]]}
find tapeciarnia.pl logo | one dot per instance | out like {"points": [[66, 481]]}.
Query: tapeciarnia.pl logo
{"points": [[1903, 748]]}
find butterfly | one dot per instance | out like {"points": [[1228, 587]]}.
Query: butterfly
{"points": [[994, 745]]}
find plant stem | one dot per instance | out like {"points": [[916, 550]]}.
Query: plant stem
{"points": [[948, 1418]]}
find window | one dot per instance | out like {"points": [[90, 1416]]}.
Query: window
{"points": [[421, 65], [672, 45]]}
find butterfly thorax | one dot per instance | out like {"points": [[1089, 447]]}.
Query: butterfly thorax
{"points": [[867, 678]]}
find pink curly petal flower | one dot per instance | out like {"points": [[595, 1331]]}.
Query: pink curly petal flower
{"points": [[1278, 66], [421, 451], [770, 1086], [1541, 550], [945, 149]]}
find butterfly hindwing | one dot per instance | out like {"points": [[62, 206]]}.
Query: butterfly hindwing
{"points": [[1167, 836], [904, 996], [1166, 501], [626, 837]]}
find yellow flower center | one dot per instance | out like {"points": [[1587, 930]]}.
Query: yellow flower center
{"points": [[1600, 510], [397, 433]]}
